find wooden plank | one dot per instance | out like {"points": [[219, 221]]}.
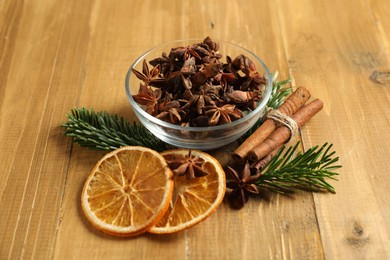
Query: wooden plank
{"points": [[113, 47], [9, 22], [380, 11], [335, 61], [10, 14], [42, 82]]}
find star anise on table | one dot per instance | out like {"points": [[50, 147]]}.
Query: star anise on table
{"points": [[242, 183], [149, 98], [188, 165], [223, 114], [149, 77]]}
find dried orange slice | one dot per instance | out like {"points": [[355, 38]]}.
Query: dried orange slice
{"points": [[128, 191], [193, 200]]}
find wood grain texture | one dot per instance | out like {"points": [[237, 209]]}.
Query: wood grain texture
{"points": [[338, 61], [55, 55]]}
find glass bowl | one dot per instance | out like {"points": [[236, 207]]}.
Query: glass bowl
{"points": [[190, 137]]}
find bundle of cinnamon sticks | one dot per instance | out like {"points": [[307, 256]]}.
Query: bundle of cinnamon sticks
{"points": [[265, 142]]}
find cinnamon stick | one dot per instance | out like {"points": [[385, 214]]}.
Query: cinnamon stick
{"points": [[259, 165], [282, 133], [295, 101]]}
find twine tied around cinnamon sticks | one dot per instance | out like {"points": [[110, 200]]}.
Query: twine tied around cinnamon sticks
{"points": [[285, 120], [279, 127]]}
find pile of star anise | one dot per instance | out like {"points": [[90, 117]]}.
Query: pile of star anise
{"points": [[191, 86]]}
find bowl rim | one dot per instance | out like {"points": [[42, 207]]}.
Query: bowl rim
{"points": [[262, 104]]}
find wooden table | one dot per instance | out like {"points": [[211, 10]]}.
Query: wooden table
{"points": [[56, 55]]}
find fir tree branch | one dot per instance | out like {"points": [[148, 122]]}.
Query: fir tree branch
{"points": [[287, 172], [279, 91], [103, 131]]}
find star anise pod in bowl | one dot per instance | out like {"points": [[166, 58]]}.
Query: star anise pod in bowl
{"points": [[149, 98], [150, 77], [223, 114], [169, 111]]}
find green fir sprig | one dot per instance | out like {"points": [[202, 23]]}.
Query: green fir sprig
{"points": [[290, 170], [279, 91], [102, 131]]}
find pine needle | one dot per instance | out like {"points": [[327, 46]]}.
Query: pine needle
{"points": [[279, 91], [289, 171], [102, 131]]}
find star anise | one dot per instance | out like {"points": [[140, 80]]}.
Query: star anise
{"points": [[242, 184], [210, 44], [149, 98], [243, 63], [252, 80], [176, 82], [244, 99], [198, 100], [188, 165], [166, 64], [185, 52], [212, 50], [224, 114], [225, 79], [199, 121], [179, 80], [169, 111], [149, 77], [206, 72]]}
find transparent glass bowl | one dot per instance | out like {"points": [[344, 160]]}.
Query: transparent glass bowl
{"points": [[201, 138]]}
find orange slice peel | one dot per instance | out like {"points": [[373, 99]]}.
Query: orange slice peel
{"points": [[193, 200], [128, 191]]}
